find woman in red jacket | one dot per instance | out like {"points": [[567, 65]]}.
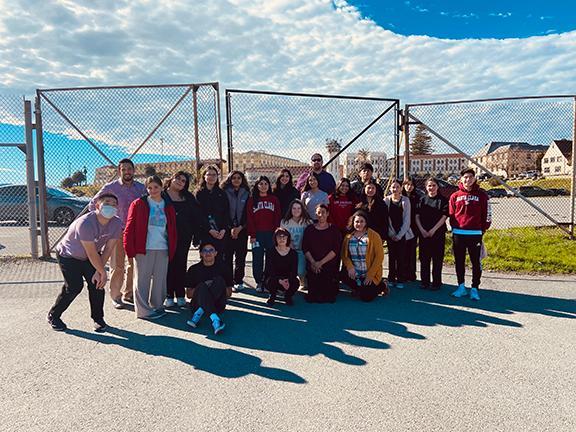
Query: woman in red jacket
{"points": [[342, 205], [150, 237], [263, 216]]}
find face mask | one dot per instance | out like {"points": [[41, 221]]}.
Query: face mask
{"points": [[108, 211]]}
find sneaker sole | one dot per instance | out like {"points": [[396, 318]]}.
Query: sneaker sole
{"points": [[100, 329], [219, 329], [192, 324], [154, 317]]}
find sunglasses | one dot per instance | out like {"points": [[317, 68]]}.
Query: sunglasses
{"points": [[316, 160], [208, 250]]}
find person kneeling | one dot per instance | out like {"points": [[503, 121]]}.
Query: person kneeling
{"points": [[209, 285], [281, 268], [362, 256]]}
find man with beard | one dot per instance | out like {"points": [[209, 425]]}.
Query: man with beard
{"points": [[325, 180], [126, 189]]}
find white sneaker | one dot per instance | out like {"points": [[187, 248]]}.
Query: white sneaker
{"points": [[260, 288], [460, 292], [474, 294], [238, 288], [181, 301], [169, 302]]}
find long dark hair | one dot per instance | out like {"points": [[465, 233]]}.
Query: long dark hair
{"points": [[256, 191], [304, 218], [228, 182], [350, 194], [205, 169], [278, 184], [307, 185], [185, 192]]}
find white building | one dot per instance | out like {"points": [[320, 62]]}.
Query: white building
{"points": [[377, 159], [557, 160], [423, 165]]}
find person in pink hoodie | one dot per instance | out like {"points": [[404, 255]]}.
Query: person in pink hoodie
{"points": [[470, 217], [263, 216]]}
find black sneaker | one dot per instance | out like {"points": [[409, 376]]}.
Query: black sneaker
{"points": [[56, 323], [100, 325], [271, 301]]}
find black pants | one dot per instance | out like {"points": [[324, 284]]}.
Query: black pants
{"points": [[410, 261], [432, 251], [274, 286], [396, 257], [75, 272], [366, 293], [210, 296], [237, 248], [177, 269], [323, 286], [471, 244]]}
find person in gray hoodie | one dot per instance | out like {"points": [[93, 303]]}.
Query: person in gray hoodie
{"points": [[237, 191]]}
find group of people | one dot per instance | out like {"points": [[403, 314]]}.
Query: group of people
{"points": [[311, 234]]}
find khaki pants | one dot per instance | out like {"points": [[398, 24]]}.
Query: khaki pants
{"points": [[150, 289], [119, 270]]}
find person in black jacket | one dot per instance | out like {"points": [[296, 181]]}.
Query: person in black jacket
{"points": [[409, 266], [237, 191], [215, 210], [371, 202], [188, 226], [284, 190], [281, 269]]}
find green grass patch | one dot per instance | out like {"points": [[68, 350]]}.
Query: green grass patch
{"points": [[544, 183], [546, 250]]}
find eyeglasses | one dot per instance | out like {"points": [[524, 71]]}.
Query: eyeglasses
{"points": [[208, 250], [316, 160]]}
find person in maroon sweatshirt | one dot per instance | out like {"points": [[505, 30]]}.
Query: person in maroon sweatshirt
{"points": [[470, 217], [342, 205], [263, 217]]}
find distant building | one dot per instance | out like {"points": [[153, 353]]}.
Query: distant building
{"points": [[260, 159], [508, 159], [557, 160], [445, 164], [377, 159], [252, 174]]}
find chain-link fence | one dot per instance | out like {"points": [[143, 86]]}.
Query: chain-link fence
{"points": [[268, 131], [17, 205], [86, 131], [520, 148]]}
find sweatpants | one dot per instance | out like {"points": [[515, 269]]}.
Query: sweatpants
{"points": [[471, 244], [75, 272], [274, 286], [366, 293], [236, 251], [432, 252], [177, 269], [265, 243], [210, 296], [396, 257], [150, 292]]}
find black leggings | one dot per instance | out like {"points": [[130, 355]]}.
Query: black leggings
{"points": [[177, 269], [210, 296]]}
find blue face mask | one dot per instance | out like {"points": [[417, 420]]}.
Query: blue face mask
{"points": [[108, 211]]}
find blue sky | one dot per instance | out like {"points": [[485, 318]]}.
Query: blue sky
{"points": [[471, 19]]}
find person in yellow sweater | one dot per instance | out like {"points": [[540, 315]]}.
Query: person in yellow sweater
{"points": [[362, 257]]}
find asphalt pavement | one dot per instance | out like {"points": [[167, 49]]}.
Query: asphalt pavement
{"points": [[414, 361]]}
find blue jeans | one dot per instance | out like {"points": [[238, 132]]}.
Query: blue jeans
{"points": [[265, 243]]}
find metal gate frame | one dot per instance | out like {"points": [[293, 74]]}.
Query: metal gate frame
{"points": [[43, 94], [395, 104], [408, 119]]}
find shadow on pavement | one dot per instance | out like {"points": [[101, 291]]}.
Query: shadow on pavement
{"points": [[227, 363]]}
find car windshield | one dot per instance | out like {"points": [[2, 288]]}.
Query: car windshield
{"points": [[60, 193]]}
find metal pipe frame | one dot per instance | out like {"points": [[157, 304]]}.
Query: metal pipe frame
{"points": [[502, 99], [326, 96], [483, 168], [42, 195], [573, 186], [229, 131], [218, 120], [127, 87], [406, 142], [30, 183], [196, 135]]}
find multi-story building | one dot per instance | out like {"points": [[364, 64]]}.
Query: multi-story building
{"points": [[557, 160], [251, 160], [508, 159], [377, 159], [445, 164]]}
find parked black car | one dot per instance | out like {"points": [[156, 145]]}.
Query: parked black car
{"points": [[446, 189], [497, 193], [559, 191], [534, 191], [63, 207]]}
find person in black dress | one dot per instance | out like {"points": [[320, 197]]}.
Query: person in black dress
{"points": [[284, 190], [281, 269]]}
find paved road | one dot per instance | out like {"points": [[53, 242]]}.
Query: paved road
{"points": [[416, 361]]}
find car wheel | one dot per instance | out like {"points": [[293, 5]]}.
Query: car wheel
{"points": [[63, 216]]}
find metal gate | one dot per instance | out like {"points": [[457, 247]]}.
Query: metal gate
{"points": [[522, 147], [84, 132], [268, 131]]}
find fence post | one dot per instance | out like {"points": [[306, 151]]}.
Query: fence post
{"points": [[573, 186], [43, 207], [406, 142], [30, 183], [218, 120], [397, 126], [229, 131], [196, 137]]}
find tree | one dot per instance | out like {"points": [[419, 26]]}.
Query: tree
{"points": [[67, 182], [362, 156], [422, 142], [149, 170], [333, 145], [78, 178]]}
